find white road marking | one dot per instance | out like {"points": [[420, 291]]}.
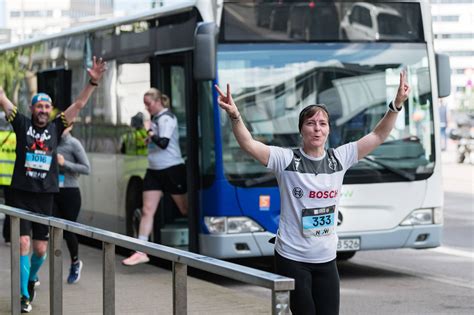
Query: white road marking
{"points": [[466, 283], [453, 252], [443, 279]]}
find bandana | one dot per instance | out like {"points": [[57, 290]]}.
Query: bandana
{"points": [[41, 97]]}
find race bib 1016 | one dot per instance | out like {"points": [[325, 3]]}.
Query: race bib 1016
{"points": [[38, 160]]}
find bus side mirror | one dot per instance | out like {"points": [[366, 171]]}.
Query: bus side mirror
{"points": [[205, 51], [443, 70]]}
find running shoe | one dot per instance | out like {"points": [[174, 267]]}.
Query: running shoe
{"points": [[135, 259], [25, 305], [32, 284], [75, 272]]}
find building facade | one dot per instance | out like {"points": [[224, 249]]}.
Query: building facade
{"points": [[31, 18], [453, 26]]}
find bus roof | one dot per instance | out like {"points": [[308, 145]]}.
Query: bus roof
{"points": [[184, 6]]}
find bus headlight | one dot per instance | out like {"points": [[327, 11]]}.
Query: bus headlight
{"points": [[419, 217], [215, 225], [231, 225]]}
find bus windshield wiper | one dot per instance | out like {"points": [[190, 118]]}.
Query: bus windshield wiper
{"points": [[402, 173]]}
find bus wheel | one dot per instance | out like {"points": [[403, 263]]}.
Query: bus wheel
{"points": [[345, 255]]}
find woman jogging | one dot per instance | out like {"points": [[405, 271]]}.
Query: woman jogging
{"points": [[310, 180], [72, 160], [166, 172]]}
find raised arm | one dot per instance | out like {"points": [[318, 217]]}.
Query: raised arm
{"points": [[5, 103], [95, 75], [368, 143], [256, 149]]}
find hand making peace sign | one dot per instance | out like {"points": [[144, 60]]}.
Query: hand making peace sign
{"points": [[403, 90], [227, 103]]}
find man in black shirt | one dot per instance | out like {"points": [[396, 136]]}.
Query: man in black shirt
{"points": [[35, 176]]}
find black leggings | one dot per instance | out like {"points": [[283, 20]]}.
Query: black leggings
{"points": [[67, 204], [316, 286]]}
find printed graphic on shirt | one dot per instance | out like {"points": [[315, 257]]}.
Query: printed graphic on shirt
{"points": [[39, 156], [298, 192], [328, 165], [318, 221]]}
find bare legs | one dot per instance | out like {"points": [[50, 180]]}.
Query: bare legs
{"points": [[151, 199]]}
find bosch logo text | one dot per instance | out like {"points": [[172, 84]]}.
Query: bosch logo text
{"points": [[323, 194]]}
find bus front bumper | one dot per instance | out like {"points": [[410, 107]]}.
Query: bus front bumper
{"points": [[256, 244], [416, 236]]}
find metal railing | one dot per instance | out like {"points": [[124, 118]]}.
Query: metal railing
{"points": [[280, 286]]}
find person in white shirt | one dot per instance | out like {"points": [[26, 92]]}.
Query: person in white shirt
{"points": [[310, 180], [166, 170]]}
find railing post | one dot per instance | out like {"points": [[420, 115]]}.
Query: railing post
{"points": [[108, 281], [180, 296], [15, 263], [280, 302], [55, 271]]}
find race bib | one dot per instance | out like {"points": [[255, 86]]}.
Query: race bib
{"points": [[318, 221], [38, 160], [61, 180]]}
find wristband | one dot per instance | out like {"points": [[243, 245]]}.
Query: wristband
{"points": [[235, 118], [393, 108], [93, 83]]}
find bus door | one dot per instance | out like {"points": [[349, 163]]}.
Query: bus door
{"points": [[172, 74]]}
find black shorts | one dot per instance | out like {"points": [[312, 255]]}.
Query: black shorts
{"points": [[41, 203], [170, 180]]}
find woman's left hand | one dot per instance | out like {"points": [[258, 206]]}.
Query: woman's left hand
{"points": [[60, 158], [403, 90]]}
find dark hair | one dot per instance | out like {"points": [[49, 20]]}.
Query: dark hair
{"points": [[137, 121], [309, 111]]}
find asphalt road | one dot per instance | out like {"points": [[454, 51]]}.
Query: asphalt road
{"points": [[409, 281]]}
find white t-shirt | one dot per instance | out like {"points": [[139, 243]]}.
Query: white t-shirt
{"points": [[164, 125], [310, 189]]}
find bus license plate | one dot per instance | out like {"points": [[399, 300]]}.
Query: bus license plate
{"points": [[345, 244]]}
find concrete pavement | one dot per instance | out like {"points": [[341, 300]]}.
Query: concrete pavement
{"points": [[143, 289]]}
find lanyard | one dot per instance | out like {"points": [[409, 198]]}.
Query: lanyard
{"points": [[5, 140]]}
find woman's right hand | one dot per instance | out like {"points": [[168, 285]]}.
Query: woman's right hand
{"points": [[227, 103]]}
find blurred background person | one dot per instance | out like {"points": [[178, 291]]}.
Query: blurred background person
{"points": [[7, 163], [72, 161]]}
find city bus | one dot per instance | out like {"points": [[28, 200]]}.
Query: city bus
{"points": [[278, 56]]}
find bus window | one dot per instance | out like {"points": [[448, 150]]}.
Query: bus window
{"points": [[133, 80]]}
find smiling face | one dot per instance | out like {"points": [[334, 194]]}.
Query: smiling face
{"points": [[315, 131], [40, 113]]}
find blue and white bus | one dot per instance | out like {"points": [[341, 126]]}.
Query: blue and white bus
{"points": [[279, 56]]}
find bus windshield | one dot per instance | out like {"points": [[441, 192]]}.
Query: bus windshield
{"points": [[271, 83]]}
